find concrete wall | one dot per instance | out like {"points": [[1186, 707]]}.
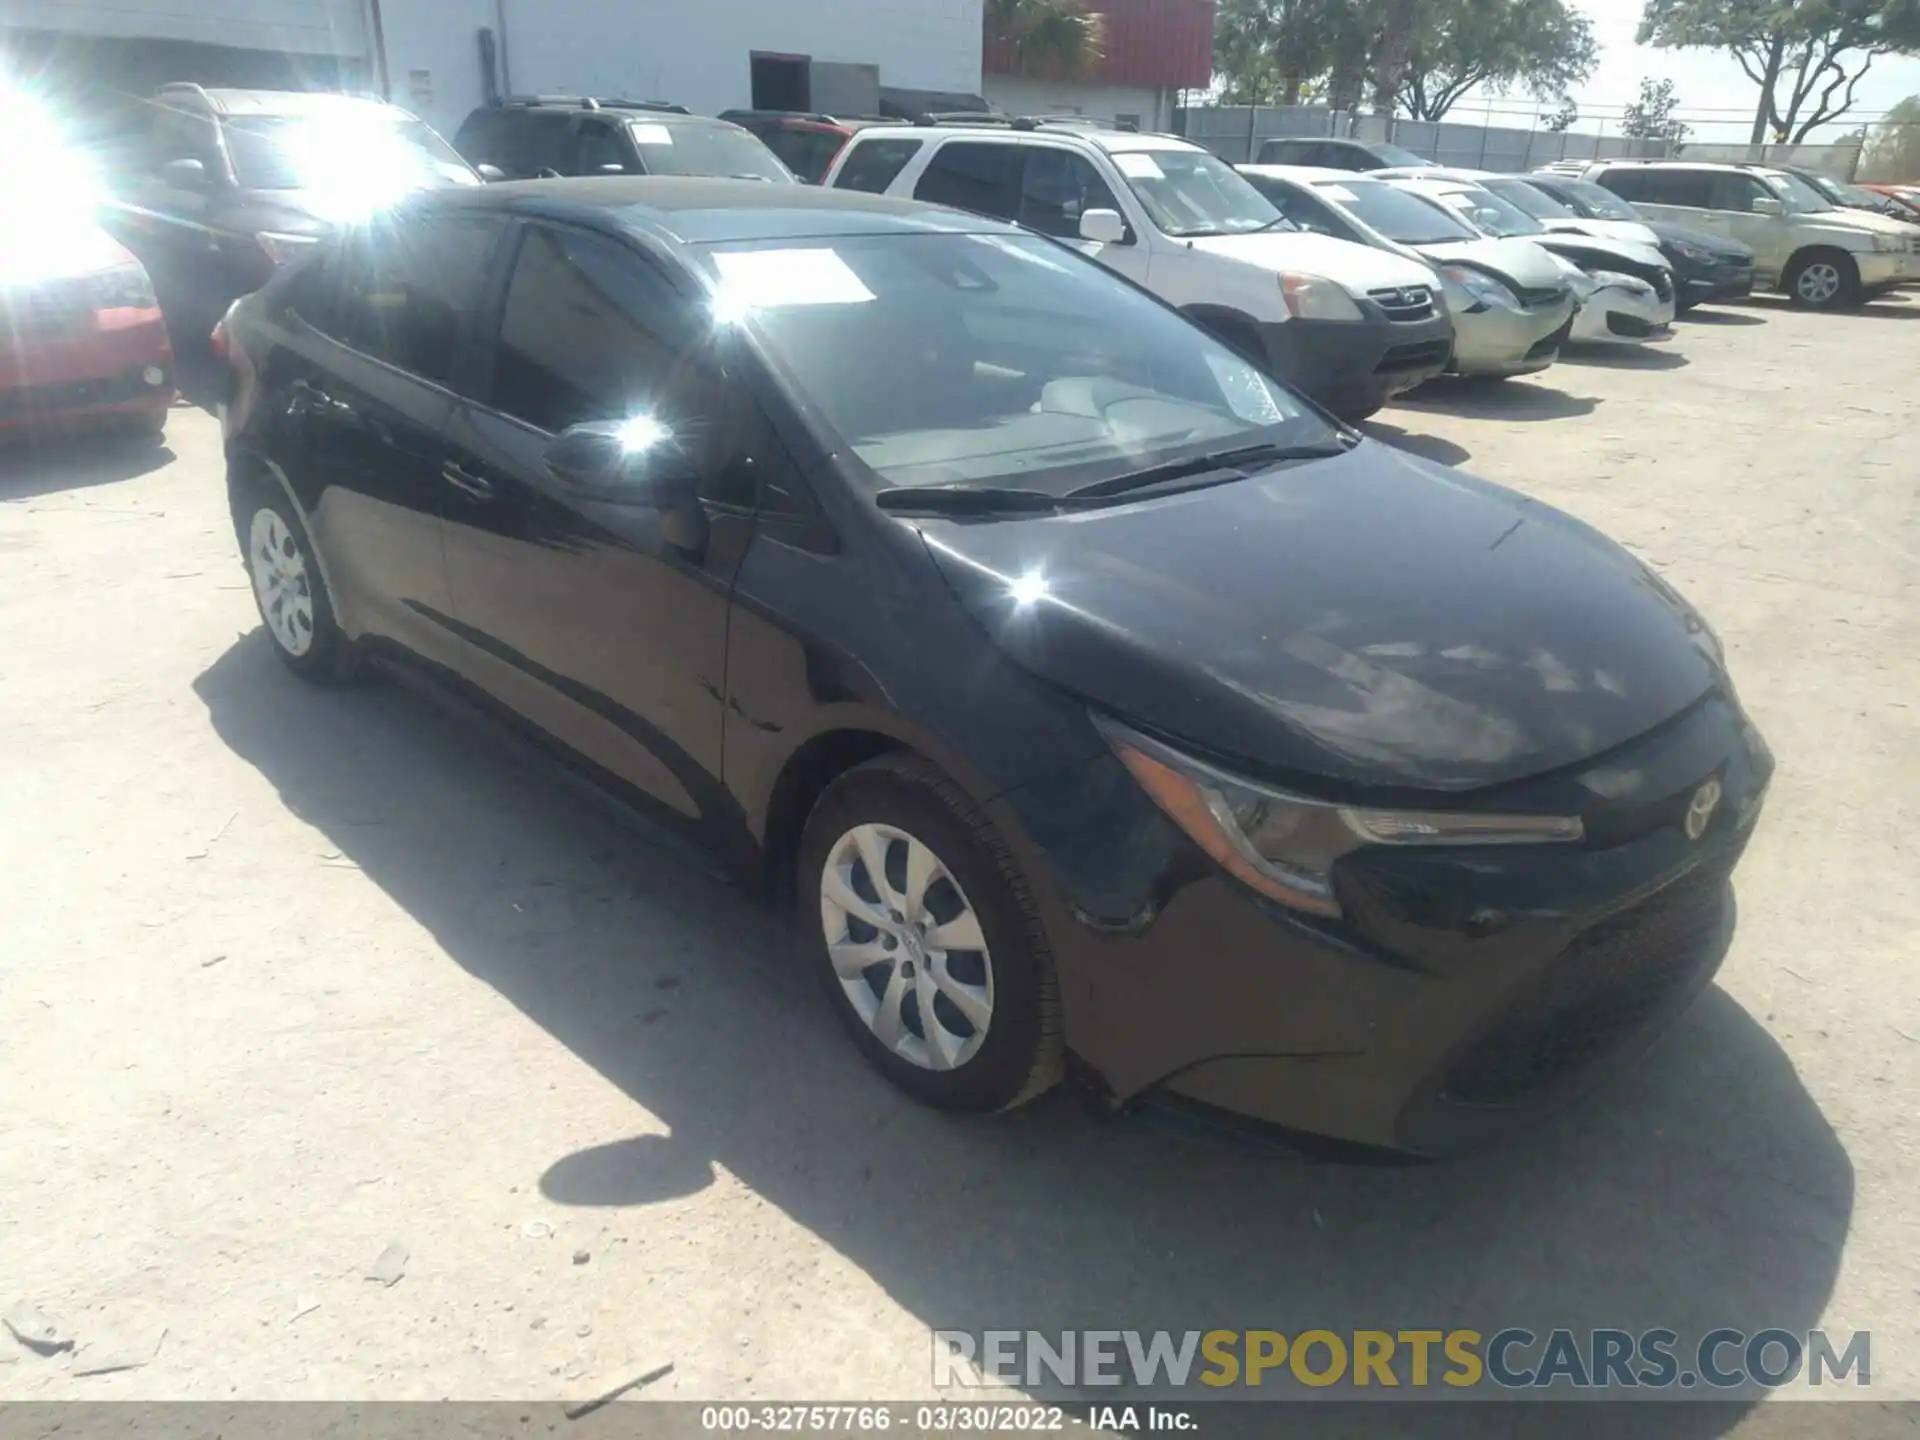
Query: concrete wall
{"points": [[1027, 95], [696, 54], [294, 27]]}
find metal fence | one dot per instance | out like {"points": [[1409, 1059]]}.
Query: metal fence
{"points": [[1235, 132]]}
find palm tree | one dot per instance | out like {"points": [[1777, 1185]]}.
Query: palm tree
{"points": [[1055, 38]]}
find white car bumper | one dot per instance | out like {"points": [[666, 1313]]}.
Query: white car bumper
{"points": [[1623, 311]]}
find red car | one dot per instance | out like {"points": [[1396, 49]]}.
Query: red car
{"points": [[83, 337], [1907, 197]]}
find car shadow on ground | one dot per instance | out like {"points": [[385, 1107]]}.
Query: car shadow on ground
{"points": [[1708, 316], [1428, 447], [34, 463], [1887, 307], [1625, 357], [1703, 1188], [1487, 399]]}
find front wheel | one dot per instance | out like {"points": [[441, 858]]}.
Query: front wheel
{"points": [[1824, 280], [926, 938], [288, 587]]}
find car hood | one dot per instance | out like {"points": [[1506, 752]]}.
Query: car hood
{"points": [[1519, 262], [1864, 220], [1631, 231], [1702, 240], [1373, 620], [1359, 268], [56, 247], [1591, 251]]}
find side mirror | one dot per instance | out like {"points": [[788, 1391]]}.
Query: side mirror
{"points": [[634, 462], [1103, 227], [185, 174], [490, 173], [1768, 206]]}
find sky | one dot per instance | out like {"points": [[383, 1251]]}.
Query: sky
{"points": [[1716, 98]]}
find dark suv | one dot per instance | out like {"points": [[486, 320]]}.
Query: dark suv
{"points": [[214, 189], [550, 136], [806, 143]]}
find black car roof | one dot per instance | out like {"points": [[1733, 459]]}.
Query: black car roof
{"points": [[701, 211]]}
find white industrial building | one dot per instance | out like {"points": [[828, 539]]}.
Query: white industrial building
{"points": [[434, 56]]}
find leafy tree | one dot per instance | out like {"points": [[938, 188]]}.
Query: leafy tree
{"points": [[1055, 38], [1561, 120], [1268, 52], [1807, 56], [1651, 116], [1892, 151], [1454, 46]]}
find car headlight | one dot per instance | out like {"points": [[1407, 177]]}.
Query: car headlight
{"points": [[1283, 845], [285, 249], [1885, 244], [1481, 288], [125, 287], [1314, 297]]}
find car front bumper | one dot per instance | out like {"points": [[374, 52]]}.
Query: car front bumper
{"points": [[1887, 270], [1464, 992], [1700, 284], [1501, 341], [103, 364], [1623, 315], [1354, 367]]}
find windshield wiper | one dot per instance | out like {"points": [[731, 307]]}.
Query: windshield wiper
{"points": [[1234, 464], [964, 499]]}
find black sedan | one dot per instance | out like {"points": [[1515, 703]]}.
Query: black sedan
{"points": [[1706, 267], [1102, 707]]}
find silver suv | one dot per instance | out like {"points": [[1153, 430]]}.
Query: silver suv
{"points": [[1820, 255]]}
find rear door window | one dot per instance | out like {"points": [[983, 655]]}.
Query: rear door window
{"points": [[873, 165], [400, 292], [981, 177]]}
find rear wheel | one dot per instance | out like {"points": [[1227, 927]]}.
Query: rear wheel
{"points": [[926, 938], [1824, 280]]}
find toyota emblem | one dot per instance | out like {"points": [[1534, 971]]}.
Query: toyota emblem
{"points": [[1700, 809]]}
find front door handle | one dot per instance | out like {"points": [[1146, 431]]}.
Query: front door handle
{"points": [[307, 400], [461, 478]]}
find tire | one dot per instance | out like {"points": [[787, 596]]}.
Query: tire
{"points": [[1238, 338], [1823, 280], [1004, 1048], [1354, 414], [288, 587]]}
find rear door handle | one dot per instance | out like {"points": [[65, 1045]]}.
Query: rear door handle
{"points": [[461, 478]]}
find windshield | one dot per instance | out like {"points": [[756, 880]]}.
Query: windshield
{"points": [[1189, 192], [1400, 215], [994, 360], [1491, 215], [1537, 203], [1797, 195], [1598, 201], [373, 150], [716, 149], [1398, 155]]}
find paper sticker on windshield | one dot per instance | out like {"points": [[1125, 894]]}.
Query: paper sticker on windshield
{"points": [[1338, 192], [1138, 165], [1246, 393], [774, 279], [650, 134]]}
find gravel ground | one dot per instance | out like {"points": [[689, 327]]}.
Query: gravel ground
{"points": [[287, 976]]}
